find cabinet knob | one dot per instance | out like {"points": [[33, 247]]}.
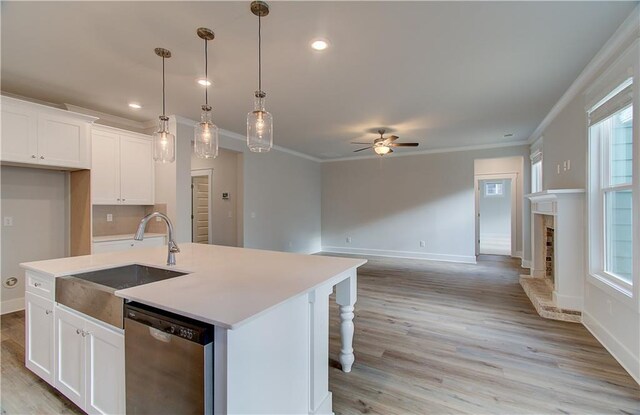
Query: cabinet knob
{"points": [[33, 156], [124, 200], [85, 333], [47, 312], [78, 331], [118, 199], [36, 284], [41, 157]]}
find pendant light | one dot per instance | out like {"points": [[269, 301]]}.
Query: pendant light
{"points": [[259, 121], [205, 142], [164, 143]]}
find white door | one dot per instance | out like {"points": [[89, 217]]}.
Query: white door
{"points": [[63, 141], [70, 359], [136, 171], [39, 341], [200, 209], [494, 223], [19, 135], [105, 168], [105, 370]]}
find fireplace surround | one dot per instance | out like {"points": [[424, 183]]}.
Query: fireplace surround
{"points": [[556, 281]]}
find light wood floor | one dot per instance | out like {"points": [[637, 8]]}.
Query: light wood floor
{"points": [[431, 338]]}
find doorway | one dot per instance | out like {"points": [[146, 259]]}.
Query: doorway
{"points": [[495, 215], [201, 229]]}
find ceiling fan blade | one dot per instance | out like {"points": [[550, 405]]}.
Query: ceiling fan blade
{"points": [[391, 138], [362, 149], [359, 142], [404, 144]]}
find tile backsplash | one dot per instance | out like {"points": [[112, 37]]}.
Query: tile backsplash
{"points": [[125, 219]]}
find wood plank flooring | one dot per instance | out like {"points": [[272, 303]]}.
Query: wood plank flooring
{"points": [[431, 338], [435, 337]]}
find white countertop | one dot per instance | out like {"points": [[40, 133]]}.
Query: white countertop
{"points": [[124, 237], [225, 286]]}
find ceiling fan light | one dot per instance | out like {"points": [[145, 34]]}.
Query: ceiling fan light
{"points": [[382, 150]]}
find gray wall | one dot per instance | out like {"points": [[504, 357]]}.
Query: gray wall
{"points": [[389, 205], [38, 202], [225, 213]]}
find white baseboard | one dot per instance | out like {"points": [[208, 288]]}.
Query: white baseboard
{"points": [[470, 259], [526, 263], [618, 350], [518, 254], [9, 306]]}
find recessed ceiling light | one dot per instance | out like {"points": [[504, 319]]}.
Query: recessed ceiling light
{"points": [[319, 44], [204, 82], [135, 105], [508, 135]]}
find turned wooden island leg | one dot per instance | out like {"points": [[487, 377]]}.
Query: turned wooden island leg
{"points": [[346, 298]]}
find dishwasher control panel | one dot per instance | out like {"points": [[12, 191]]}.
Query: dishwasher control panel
{"points": [[170, 323]]}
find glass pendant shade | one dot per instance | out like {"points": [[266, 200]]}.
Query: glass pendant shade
{"points": [[164, 143], [259, 126], [381, 150], [205, 142]]}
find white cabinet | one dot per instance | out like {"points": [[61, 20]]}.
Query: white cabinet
{"points": [[39, 336], [45, 136], [90, 363], [122, 168], [126, 244]]}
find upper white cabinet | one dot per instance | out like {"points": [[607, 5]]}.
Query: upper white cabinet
{"points": [[122, 168], [45, 136]]}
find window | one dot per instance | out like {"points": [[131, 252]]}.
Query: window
{"points": [[493, 189], [611, 187], [536, 176]]}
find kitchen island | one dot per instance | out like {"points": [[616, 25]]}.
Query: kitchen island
{"points": [[270, 312]]}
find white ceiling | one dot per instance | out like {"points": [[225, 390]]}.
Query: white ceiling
{"points": [[443, 74]]}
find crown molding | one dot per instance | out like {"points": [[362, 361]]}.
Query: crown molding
{"points": [[434, 151], [628, 30], [107, 119]]}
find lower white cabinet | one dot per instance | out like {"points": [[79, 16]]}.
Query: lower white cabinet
{"points": [[90, 363], [39, 336]]}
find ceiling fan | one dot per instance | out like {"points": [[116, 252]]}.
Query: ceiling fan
{"points": [[383, 145]]}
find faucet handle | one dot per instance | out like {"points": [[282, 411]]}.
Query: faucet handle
{"points": [[173, 247]]}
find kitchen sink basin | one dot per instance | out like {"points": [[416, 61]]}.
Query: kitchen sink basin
{"points": [[92, 293]]}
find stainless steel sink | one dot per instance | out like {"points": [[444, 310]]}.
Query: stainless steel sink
{"points": [[92, 293]]}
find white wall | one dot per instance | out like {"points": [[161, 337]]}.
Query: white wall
{"points": [[224, 213], [37, 200], [615, 323], [388, 205], [495, 212]]}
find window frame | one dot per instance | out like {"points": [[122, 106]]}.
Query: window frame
{"points": [[498, 184]]}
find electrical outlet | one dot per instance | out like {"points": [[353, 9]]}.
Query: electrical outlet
{"points": [[558, 168], [253, 215], [568, 164], [109, 217], [7, 221], [423, 244], [158, 219], [348, 239], [230, 214]]}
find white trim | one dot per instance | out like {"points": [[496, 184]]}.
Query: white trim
{"points": [[433, 151], [619, 351], [10, 306], [209, 174], [526, 263], [103, 116], [466, 259], [518, 254], [628, 30]]}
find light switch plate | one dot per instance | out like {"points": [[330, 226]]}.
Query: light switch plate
{"points": [[7, 221], [109, 217]]}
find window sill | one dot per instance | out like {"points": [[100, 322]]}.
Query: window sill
{"points": [[618, 289]]}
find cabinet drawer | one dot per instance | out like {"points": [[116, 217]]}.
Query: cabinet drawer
{"points": [[40, 285], [126, 244]]}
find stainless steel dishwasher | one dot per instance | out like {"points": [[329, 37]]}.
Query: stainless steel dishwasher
{"points": [[168, 362]]}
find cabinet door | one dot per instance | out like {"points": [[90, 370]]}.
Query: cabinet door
{"points": [[105, 168], [105, 370], [137, 184], [63, 141], [39, 338], [19, 134], [70, 356]]}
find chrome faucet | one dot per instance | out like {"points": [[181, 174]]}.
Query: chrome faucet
{"points": [[173, 247]]}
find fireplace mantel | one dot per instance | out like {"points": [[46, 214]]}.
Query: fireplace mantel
{"points": [[566, 207]]}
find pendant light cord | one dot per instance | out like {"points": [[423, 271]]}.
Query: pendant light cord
{"points": [[259, 52], [163, 106], [206, 74]]}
